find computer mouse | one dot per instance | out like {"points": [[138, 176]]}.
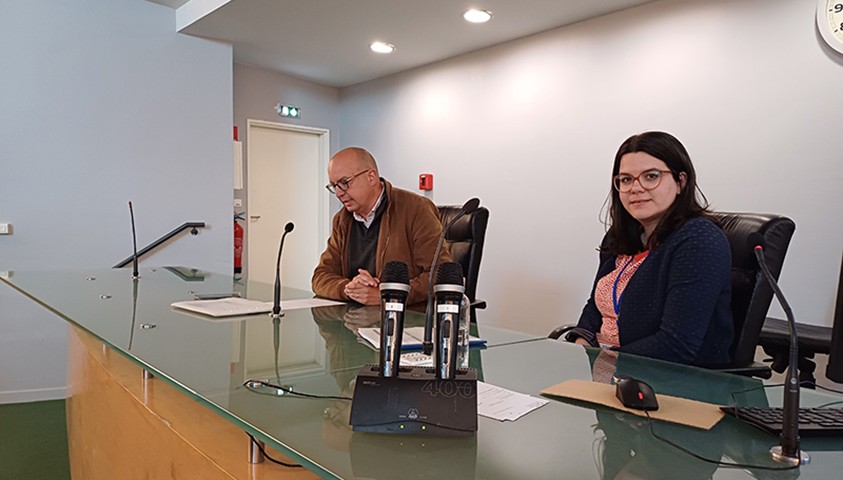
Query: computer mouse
{"points": [[636, 394]]}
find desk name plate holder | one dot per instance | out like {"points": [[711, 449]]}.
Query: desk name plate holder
{"points": [[415, 402]]}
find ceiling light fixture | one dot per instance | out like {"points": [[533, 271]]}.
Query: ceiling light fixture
{"points": [[382, 47], [477, 16]]}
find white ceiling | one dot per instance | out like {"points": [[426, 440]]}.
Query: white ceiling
{"points": [[326, 41]]}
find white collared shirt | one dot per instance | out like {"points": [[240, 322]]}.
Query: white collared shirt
{"points": [[368, 219]]}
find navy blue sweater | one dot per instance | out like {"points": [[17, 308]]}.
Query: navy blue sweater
{"points": [[676, 306]]}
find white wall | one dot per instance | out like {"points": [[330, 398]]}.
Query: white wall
{"points": [[531, 127], [103, 103]]}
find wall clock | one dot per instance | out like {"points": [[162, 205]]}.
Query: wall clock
{"points": [[830, 23]]}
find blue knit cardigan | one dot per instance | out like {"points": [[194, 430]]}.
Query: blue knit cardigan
{"points": [[676, 307]]}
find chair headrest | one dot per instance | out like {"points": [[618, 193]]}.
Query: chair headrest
{"points": [[466, 228], [739, 228]]}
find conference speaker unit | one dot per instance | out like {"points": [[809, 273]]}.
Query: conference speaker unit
{"points": [[415, 402]]}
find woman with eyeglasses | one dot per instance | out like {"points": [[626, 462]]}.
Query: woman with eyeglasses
{"points": [[663, 287]]}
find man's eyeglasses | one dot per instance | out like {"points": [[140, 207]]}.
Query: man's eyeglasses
{"points": [[343, 184], [648, 180]]}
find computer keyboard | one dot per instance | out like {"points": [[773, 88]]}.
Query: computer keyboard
{"points": [[813, 422]]}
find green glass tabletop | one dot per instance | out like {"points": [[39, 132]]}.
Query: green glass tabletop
{"points": [[317, 351]]}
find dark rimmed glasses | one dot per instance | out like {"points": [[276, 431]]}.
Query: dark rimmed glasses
{"points": [[343, 184], [648, 180]]}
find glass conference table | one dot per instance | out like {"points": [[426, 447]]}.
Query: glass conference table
{"points": [[316, 351]]}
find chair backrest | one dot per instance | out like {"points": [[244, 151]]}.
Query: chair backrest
{"points": [[751, 294], [834, 369], [465, 241]]}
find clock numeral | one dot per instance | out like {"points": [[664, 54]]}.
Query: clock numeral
{"points": [[838, 7]]}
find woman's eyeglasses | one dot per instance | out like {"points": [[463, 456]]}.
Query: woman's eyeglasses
{"points": [[648, 180]]}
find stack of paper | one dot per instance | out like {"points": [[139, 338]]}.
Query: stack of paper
{"points": [[411, 340], [416, 359], [225, 307], [232, 306]]}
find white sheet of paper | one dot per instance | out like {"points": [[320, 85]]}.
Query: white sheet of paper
{"points": [[237, 307], [308, 303], [501, 404]]}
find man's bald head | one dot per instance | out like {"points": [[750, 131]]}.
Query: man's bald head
{"points": [[354, 173], [357, 158]]}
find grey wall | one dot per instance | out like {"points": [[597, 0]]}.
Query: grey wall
{"points": [[531, 127], [257, 91], [102, 103]]}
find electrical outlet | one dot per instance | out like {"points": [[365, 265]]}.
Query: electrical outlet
{"points": [[5, 228], [238, 202]]}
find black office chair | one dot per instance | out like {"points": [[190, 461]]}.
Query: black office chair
{"points": [[813, 340], [465, 241], [751, 295]]}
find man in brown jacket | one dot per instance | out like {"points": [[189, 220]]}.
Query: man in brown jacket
{"points": [[378, 224]]}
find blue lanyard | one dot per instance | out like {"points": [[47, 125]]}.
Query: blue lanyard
{"points": [[616, 301]]}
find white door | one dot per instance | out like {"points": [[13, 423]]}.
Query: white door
{"points": [[286, 174]]}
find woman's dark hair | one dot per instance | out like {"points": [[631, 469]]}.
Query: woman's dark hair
{"points": [[624, 233]]}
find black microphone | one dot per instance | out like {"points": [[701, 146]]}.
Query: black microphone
{"points": [[788, 449], [276, 343], [134, 311], [449, 292], [276, 304], [468, 207], [135, 274], [394, 287]]}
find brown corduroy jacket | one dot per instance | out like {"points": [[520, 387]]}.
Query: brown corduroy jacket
{"points": [[409, 232]]}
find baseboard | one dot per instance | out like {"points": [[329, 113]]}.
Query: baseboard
{"points": [[34, 395]]}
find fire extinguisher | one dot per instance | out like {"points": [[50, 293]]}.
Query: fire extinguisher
{"points": [[238, 244]]}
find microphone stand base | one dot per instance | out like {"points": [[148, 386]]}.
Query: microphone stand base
{"points": [[776, 453]]}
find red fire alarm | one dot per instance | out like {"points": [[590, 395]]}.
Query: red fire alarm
{"points": [[426, 181]]}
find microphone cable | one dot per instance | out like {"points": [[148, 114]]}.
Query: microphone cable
{"points": [[734, 403], [709, 460], [253, 385], [256, 443]]}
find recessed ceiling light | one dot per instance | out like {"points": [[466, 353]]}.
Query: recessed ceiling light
{"points": [[477, 16], [382, 47]]}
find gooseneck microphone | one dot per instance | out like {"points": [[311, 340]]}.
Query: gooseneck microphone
{"points": [[468, 207], [788, 449], [449, 292], [135, 274], [276, 345], [394, 288], [276, 302], [134, 311]]}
